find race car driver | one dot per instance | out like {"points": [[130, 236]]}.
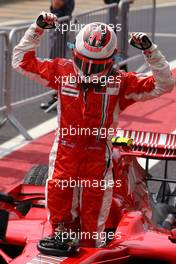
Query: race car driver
{"points": [[88, 105]]}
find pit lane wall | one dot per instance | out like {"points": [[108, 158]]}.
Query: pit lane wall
{"points": [[16, 91]]}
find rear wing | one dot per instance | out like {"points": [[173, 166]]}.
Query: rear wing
{"points": [[149, 144]]}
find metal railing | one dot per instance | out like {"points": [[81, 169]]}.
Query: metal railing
{"points": [[136, 16], [4, 44], [17, 91]]}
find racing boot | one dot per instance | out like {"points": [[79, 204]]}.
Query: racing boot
{"points": [[59, 244]]}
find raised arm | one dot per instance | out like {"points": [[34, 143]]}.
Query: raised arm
{"points": [[24, 58], [140, 88]]}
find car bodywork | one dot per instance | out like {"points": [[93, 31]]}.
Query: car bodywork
{"points": [[135, 217]]}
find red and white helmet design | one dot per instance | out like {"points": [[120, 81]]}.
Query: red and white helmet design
{"points": [[95, 46]]}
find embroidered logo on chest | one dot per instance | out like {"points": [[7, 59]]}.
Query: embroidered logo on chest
{"points": [[69, 91]]}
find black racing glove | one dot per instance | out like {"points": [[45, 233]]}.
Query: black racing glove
{"points": [[46, 20], [140, 40]]}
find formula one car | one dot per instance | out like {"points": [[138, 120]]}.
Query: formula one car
{"points": [[142, 215]]}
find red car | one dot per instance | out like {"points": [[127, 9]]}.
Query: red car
{"points": [[142, 217]]}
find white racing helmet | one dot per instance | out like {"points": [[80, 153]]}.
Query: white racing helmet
{"points": [[95, 45]]}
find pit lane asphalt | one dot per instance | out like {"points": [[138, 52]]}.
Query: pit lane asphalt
{"points": [[31, 115]]}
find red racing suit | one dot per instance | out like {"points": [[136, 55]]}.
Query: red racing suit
{"points": [[85, 156]]}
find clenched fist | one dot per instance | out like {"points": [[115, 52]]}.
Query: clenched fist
{"points": [[46, 20], [140, 40]]}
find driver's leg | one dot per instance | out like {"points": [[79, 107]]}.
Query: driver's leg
{"points": [[61, 195], [95, 201]]}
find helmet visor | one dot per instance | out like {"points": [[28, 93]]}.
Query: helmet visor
{"points": [[91, 66]]}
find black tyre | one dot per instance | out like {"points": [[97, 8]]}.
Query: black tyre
{"points": [[37, 175]]}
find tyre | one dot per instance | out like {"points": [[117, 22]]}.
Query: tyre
{"points": [[37, 175]]}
